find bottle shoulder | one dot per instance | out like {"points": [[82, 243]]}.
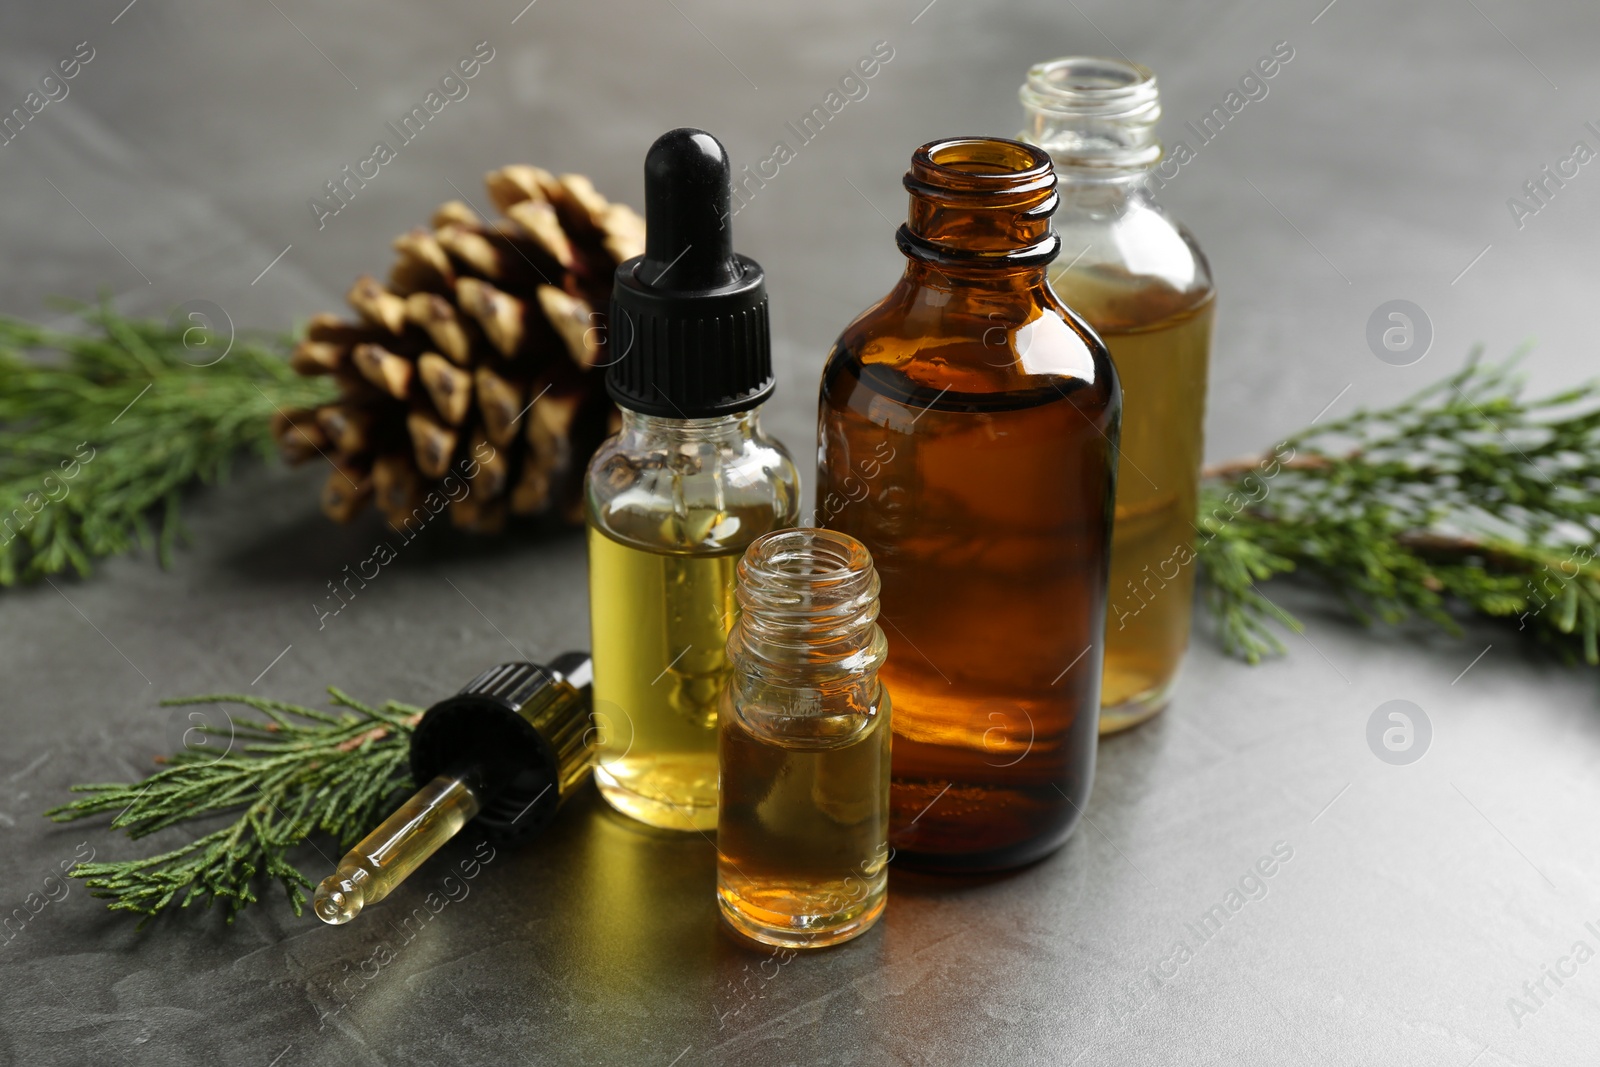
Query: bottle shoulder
{"points": [[923, 341], [808, 716], [1135, 255], [690, 495]]}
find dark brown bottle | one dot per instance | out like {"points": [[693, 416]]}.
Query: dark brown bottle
{"points": [[968, 437]]}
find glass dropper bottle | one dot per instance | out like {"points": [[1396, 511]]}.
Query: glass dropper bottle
{"points": [[504, 753], [681, 490]]}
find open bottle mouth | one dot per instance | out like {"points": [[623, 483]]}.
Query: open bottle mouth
{"points": [[807, 595], [1093, 112], [980, 200], [980, 166], [1093, 86]]}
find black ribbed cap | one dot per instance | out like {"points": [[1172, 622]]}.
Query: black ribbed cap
{"points": [[689, 317], [520, 733]]}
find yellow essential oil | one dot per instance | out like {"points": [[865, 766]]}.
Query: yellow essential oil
{"points": [[386, 856], [1139, 278], [1160, 341], [677, 494], [506, 751], [660, 623]]}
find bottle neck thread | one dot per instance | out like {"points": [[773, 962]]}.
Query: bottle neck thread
{"points": [[1095, 116], [980, 202], [808, 603], [717, 429]]}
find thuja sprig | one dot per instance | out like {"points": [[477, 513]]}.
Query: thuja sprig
{"points": [[103, 433], [1465, 496], [281, 778]]}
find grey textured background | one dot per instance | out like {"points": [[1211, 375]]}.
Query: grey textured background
{"points": [[1418, 898]]}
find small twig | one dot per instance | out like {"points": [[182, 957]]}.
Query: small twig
{"points": [[377, 733], [98, 442], [1463, 495], [1232, 469], [299, 771]]}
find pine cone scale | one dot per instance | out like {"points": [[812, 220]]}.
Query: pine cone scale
{"points": [[482, 355]]}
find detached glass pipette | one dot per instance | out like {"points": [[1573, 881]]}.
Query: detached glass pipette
{"points": [[505, 752]]}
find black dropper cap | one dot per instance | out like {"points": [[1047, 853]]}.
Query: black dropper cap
{"points": [[520, 734], [689, 317]]}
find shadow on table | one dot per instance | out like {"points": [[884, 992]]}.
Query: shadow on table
{"points": [[308, 547]]}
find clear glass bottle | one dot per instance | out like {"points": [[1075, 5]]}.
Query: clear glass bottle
{"points": [[967, 436], [678, 494], [672, 505], [802, 841], [1140, 280]]}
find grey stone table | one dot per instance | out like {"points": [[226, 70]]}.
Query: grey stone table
{"points": [[1407, 905]]}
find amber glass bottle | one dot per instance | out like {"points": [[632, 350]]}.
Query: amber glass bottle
{"points": [[1142, 283], [967, 436]]}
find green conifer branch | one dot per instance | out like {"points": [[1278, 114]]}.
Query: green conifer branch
{"points": [[102, 430], [281, 778], [1464, 497]]}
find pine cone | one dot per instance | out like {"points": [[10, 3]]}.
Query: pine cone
{"points": [[473, 380]]}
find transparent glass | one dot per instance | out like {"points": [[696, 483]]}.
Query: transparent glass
{"points": [[671, 506], [1140, 280], [803, 836], [399, 844], [967, 434]]}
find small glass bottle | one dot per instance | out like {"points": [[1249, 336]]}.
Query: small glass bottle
{"points": [[967, 436], [802, 840], [1140, 280], [675, 497]]}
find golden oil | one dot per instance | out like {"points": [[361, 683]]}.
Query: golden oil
{"points": [[660, 623], [672, 506], [684, 486], [1160, 341], [802, 841], [1139, 278], [390, 853]]}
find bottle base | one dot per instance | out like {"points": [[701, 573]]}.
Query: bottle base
{"points": [[700, 814], [940, 827], [1140, 708], [997, 861], [768, 927]]}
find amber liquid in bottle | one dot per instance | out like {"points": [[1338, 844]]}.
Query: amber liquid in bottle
{"points": [[1160, 340], [802, 837], [804, 825], [968, 432]]}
